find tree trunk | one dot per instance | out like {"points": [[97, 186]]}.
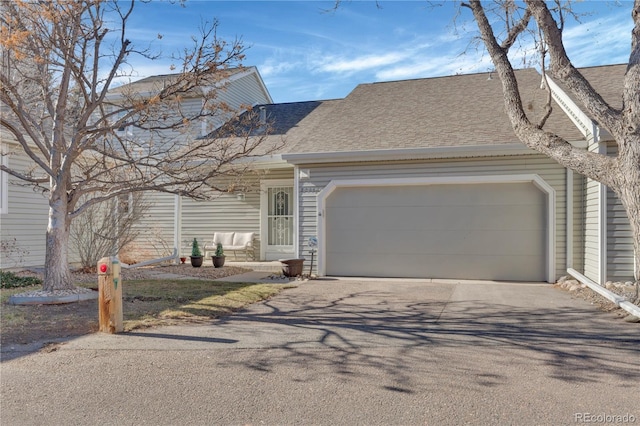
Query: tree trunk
{"points": [[629, 193], [56, 273]]}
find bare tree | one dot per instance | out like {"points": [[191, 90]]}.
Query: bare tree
{"points": [[105, 228], [60, 61], [546, 20]]}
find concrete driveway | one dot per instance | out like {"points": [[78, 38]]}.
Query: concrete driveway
{"points": [[349, 352]]}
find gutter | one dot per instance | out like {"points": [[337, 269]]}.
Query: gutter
{"points": [[618, 300], [409, 153]]}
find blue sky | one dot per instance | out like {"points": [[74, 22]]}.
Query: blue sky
{"points": [[304, 51]]}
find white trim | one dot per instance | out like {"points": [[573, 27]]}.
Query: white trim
{"points": [[569, 224], [443, 180], [581, 120]]}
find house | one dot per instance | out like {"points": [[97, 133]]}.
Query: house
{"points": [[425, 178], [420, 178], [24, 212]]}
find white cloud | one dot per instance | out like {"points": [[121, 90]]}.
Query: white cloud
{"points": [[437, 65], [273, 67], [605, 40], [361, 63]]}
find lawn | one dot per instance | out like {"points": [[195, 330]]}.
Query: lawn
{"points": [[146, 303]]}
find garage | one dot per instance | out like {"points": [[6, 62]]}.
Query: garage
{"points": [[489, 230]]}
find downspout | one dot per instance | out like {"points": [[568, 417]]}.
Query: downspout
{"points": [[296, 210], [618, 300], [569, 224], [602, 222], [177, 225]]}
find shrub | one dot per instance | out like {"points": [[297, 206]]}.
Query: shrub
{"points": [[195, 249], [11, 280]]}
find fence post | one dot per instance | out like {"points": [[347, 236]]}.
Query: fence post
{"points": [[109, 296]]}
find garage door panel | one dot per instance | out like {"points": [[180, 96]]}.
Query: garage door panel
{"points": [[482, 231], [436, 195], [489, 267], [444, 242], [439, 217]]}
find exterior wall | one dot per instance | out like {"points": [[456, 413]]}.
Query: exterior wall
{"points": [[157, 238], [25, 220], [200, 219], [245, 90], [617, 231], [619, 237], [321, 175]]}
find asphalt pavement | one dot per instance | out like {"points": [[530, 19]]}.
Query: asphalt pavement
{"points": [[348, 352]]}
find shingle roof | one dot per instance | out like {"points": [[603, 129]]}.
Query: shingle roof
{"points": [[606, 80], [440, 112], [288, 123], [461, 110], [156, 83], [284, 117]]}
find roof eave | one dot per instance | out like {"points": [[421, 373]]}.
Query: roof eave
{"points": [[409, 154]]}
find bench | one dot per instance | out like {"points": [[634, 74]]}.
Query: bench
{"points": [[232, 241]]}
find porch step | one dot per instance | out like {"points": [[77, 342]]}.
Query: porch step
{"points": [[273, 266]]}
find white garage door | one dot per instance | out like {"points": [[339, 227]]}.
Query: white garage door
{"points": [[491, 231]]}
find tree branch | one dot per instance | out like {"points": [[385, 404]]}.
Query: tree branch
{"points": [[590, 164]]}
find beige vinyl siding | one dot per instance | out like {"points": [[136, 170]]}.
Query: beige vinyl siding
{"points": [[245, 90], [157, 238], [619, 237], [225, 213], [201, 218], [321, 175], [26, 219], [592, 227]]}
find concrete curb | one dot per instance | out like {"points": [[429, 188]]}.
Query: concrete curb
{"points": [[52, 300]]}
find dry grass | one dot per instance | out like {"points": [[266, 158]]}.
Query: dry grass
{"points": [[152, 303], [146, 303]]}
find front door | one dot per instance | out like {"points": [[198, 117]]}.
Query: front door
{"points": [[277, 225]]}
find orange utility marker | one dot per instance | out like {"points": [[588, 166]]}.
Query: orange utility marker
{"points": [[109, 296]]}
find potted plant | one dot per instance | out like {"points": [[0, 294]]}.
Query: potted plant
{"points": [[218, 258], [196, 254]]}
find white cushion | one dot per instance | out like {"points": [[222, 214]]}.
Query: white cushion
{"points": [[242, 239]]}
